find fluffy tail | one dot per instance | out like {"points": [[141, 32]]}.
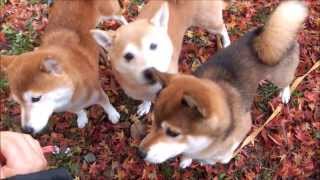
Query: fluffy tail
{"points": [[280, 32]]}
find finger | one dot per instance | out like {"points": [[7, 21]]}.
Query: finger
{"points": [[6, 172], [35, 145]]}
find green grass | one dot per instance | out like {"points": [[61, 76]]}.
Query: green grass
{"points": [[137, 2], [266, 93], [166, 171], [20, 42], [261, 16], [3, 85], [3, 2], [34, 1]]}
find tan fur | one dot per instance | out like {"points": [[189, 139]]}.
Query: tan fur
{"points": [[67, 40], [215, 99], [183, 14], [277, 37]]}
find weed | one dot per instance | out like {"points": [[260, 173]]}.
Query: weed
{"points": [[266, 93], [20, 42], [3, 2]]}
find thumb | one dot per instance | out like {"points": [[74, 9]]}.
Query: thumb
{"points": [[6, 172]]}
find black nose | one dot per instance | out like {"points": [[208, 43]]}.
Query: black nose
{"points": [[141, 153], [28, 130], [148, 75]]}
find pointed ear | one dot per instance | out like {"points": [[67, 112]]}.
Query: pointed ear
{"points": [[103, 38], [6, 61], [162, 77], [161, 18], [192, 103], [51, 66]]}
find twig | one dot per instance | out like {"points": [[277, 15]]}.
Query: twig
{"points": [[255, 133]]}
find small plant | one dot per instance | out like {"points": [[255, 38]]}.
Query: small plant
{"points": [[3, 84], [3, 2], [266, 93], [20, 42]]}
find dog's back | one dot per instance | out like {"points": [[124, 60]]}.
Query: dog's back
{"points": [[270, 52]]}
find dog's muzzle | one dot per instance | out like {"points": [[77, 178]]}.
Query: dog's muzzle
{"points": [[149, 76]]}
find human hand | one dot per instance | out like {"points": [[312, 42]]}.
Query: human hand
{"points": [[22, 153]]}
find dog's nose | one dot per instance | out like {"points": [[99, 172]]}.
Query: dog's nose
{"points": [[28, 130], [148, 75], [142, 153]]}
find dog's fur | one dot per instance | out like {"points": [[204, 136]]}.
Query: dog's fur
{"points": [[206, 116], [162, 23], [61, 74]]}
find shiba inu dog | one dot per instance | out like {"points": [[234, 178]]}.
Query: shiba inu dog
{"points": [[155, 40], [61, 74], [206, 116]]}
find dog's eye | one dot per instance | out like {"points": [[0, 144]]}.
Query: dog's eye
{"points": [[35, 99], [128, 56], [171, 133], [153, 46]]}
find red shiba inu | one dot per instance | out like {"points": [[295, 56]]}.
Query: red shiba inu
{"points": [[206, 116], [62, 74], [155, 40]]}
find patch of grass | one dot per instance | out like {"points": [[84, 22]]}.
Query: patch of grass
{"points": [[265, 174], [34, 1], [317, 135], [3, 84], [222, 176], [3, 2], [137, 2], [166, 171], [235, 31], [266, 93], [20, 42], [261, 16], [65, 161]]}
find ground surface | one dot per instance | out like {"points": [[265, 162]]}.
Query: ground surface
{"points": [[289, 146]]}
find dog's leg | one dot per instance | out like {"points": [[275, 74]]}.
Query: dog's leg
{"points": [[185, 162], [285, 95], [221, 33], [144, 108], [225, 37], [119, 18], [82, 118], [113, 114]]}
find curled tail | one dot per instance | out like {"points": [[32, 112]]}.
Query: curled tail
{"points": [[280, 31]]}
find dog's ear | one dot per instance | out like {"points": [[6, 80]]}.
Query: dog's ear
{"points": [[162, 77], [192, 103], [103, 38], [6, 62], [51, 66], [161, 18]]}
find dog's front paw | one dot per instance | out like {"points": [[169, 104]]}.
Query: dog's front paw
{"points": [[144, 108], [114, 116], [82, 119], [185, 162], [285, 95]]}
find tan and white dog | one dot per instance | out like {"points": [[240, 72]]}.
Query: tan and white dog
{"points": [[155, 40], [61, 74], [205, 117]]}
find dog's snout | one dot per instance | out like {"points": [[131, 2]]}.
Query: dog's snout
{"points": [[142, 153], [148, 75], [28, 130]]}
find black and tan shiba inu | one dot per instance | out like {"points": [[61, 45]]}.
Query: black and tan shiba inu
{"points": [[206, 116]]}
